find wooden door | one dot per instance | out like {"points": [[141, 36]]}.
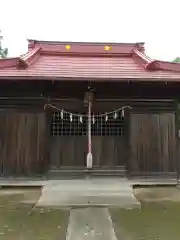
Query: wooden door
{"points": [[109, 141], [69, 141], [108, 151], [68, 151]]}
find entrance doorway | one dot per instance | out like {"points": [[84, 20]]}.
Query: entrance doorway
{"points": [[69, 140]]}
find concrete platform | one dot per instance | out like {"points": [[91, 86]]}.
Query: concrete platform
{"points": [[42, 181], [88, 192]]}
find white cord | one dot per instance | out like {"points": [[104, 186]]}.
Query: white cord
{"points": [[85, 115]]}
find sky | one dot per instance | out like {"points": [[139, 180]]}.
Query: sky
{"points": [[154, 22]]}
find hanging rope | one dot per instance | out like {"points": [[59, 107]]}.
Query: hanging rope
{"points": [[85, 115]]}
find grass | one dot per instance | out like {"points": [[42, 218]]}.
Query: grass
{"points": [[156, 220], [20, 221]]}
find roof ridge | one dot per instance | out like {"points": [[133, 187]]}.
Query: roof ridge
{"points": [[147, 60], [153, 64], [85, 48], [29, 58], [83, 43]]}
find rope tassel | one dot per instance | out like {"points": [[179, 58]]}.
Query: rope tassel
{"points": [[115, 115], [71, 118], [93, 119], [122, 113], [106, 118], [62, 113], [80, 119]]}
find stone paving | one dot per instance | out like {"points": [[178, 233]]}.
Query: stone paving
{"points": [[91, 220], [90, 224]]}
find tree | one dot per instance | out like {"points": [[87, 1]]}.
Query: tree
{"points": [[3, 51], [177, 60]]}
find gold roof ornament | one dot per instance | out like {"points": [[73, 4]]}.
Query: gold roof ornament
{"points": [[107, 48], [68, 47]]}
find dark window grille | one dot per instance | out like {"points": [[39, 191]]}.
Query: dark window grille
{"points": [[64, 127], [111, 127], [101, 127]]}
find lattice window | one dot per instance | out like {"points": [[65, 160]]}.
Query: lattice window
{"points": [[65, 127], [100, 127], [111, 127]]}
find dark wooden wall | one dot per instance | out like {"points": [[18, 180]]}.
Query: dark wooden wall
{"points": [[153, 143], [25, 133], [23, 142]]}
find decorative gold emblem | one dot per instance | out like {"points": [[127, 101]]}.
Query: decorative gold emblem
{"points": [[107, 48], [68, 47]]}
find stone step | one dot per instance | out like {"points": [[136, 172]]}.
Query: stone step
{"points": [[55, 173], [125, 201], [89, 192]]}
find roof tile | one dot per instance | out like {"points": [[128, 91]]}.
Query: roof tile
{"points": [[132, 64]]}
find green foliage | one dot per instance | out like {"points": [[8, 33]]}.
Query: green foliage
{"points": [[3, 51], [177, 60]]}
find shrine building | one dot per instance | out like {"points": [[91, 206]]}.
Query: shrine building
{"points": [[62, 100]]}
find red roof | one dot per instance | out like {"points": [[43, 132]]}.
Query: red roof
{"points": [[66, 60]]}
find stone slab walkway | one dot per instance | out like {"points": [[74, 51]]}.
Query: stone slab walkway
{"points": [[90, 224], [90, 219], [88, 192]]}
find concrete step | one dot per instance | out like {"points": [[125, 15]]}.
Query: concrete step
{"points": [[95, 171], [92, 192], [69, 199]]}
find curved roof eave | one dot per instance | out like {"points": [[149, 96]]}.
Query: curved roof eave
{"points": [[153, 64], [133, 51]]}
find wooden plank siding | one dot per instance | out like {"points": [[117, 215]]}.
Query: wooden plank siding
{"points": [[23, 142], [148, 146], [153, 143], [71, 151], [68, 151]]}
